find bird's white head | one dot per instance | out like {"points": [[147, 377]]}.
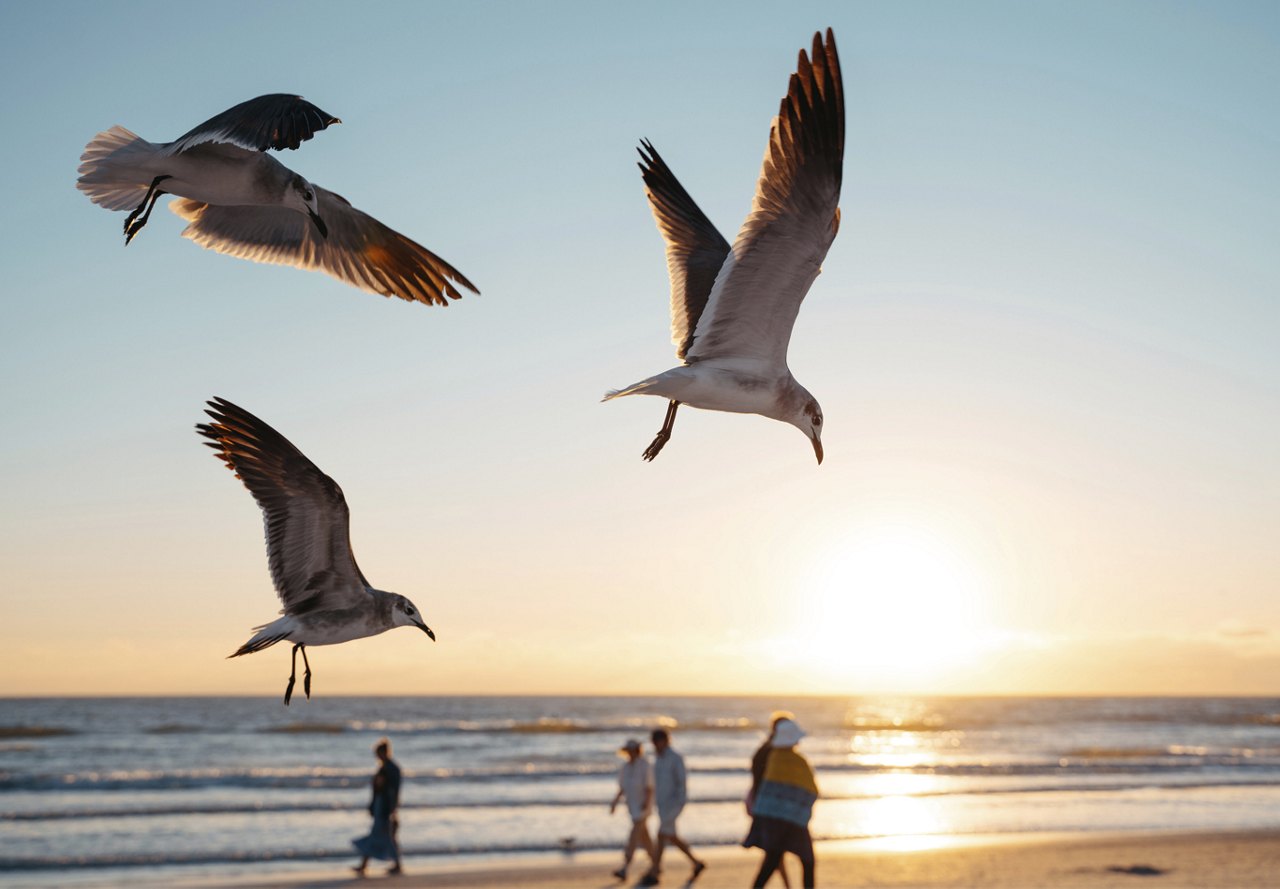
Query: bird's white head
{"points": [[405, 614], [302, 196], [806, 415]]}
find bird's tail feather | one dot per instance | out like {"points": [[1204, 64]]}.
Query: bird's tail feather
{"points": [[257, 643], [634, 389], [110, 169]]}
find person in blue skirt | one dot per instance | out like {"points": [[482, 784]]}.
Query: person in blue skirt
{"points": [[381, 840]]}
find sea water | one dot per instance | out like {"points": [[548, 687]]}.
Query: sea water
{"points": [[117, 790]]}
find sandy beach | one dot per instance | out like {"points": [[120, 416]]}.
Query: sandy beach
{"points": [[1244, 859]]}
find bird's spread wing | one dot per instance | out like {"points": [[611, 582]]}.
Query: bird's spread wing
{"points": [[304, 512], [359, 249], [793, 221], [277, 121], [695, 250]]}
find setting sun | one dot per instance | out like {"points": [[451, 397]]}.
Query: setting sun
{"points": [[894, 600]]}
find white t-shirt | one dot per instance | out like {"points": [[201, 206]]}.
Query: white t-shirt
{"points": [[635, 777], [669, 783]]}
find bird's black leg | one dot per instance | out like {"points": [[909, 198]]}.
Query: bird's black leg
{"points": [[131, 227], [664, 434], [306, 677], [293, 673]]}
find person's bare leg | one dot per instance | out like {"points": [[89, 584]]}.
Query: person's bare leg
{"points": [[359, 868], [698, 864], [683, 847], [655, 856], [634, 839]]}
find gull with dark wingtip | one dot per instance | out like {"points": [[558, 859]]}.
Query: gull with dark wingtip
{"points": [[733, 308], [325, 596], [240, 200]]}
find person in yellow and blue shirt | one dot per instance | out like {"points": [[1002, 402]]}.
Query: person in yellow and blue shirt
{"points": [[783, 805]]}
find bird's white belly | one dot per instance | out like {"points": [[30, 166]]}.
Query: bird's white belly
{"points": [[213, 179], [315, 630], [718, 389]]}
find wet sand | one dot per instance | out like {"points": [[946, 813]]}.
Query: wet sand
{"points": [[1088, 861]]}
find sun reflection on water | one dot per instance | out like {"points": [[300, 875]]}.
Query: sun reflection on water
{"points": [[900, 803]]}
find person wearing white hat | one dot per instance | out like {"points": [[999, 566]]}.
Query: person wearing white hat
{"points": [[635, 785], [783, 805], [758, 762]]}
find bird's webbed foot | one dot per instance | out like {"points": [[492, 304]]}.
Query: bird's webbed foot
{"points": [[664, 434], [141, 213], [656, 446]]}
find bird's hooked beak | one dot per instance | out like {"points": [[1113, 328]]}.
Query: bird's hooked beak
{"points": [[817, 448], [324, 233], [426, 629]]}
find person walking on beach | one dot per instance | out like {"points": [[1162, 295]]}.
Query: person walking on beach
{"points": [[670, 790], [758, 763], [381, 840], [635, 785], [783, 806]]}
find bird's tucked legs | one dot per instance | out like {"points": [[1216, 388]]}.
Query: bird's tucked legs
{"points": [[664, 434], [293, 674], [132, 227], [306, 677]]}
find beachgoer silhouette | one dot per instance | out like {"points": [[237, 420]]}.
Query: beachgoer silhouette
{"points": [[758, 762], [670, 790], [381, 840], [783, 806], [635, 785]]}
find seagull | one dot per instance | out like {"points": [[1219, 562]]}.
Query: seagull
{"points": [[240, 200], [732, 309], [325, 596]]}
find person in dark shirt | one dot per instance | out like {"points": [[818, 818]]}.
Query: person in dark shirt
{"points": [[381, 840]]}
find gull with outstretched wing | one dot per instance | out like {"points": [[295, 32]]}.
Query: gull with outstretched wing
{"points": [[325, 596], [239, 200], [733, 308]]}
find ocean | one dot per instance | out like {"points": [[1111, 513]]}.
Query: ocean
{"points": [[125, 790]]}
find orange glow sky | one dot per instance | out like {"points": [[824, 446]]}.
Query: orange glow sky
{"points": [[1044, 342]]}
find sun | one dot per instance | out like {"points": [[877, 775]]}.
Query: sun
{"points": [[897, 605]]}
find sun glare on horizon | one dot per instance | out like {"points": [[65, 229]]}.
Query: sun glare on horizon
{"points": [[898, 604]]}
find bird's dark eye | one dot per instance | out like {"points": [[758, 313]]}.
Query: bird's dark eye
{"points": [[307, 195], [817, 421], [408, 610]]}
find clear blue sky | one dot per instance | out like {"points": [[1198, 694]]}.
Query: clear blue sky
{"points": [[1045, 339]]}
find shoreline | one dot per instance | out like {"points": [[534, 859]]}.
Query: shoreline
{"points": [[1244, 858]]}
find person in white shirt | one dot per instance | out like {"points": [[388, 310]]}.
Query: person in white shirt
{"points": [[671, 792], [635, 785]]}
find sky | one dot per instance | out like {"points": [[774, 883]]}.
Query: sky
{"points": [[1045, 343]]}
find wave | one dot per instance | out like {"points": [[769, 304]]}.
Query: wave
{"points": [[1134, 752], [593, 802], [174, 728], [733, 716], [34, 731], [307, 728], [1147, 763], [554, 725]]}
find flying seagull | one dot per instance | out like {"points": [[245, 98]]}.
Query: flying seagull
{"points": [[326, 598], [240, 200], [732, 309]]}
